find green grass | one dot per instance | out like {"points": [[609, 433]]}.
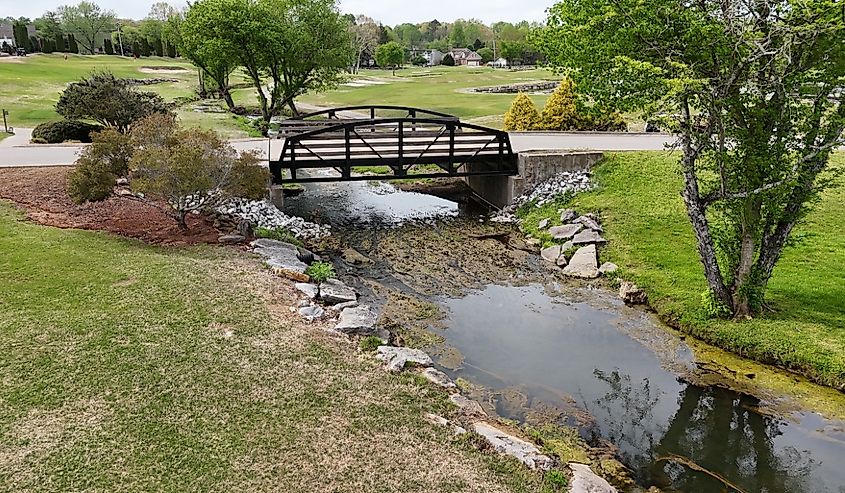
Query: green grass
{"points": [[128, 368], [651, 239], [32, 85], [3, 135], [438, 88]]}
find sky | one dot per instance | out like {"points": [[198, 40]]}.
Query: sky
{"points": [[389, 12]]}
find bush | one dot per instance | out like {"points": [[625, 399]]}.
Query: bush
{"points": [[522, 115], [601, 119], [561, 110], [114, 149], [320, 271], [109, 101], [62, 131], [448, 60], [90, 180], [191, 170]]}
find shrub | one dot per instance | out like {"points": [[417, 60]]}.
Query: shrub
{"points": [[280, 234], [320, 271], [63, 130], [109, 101], [90, 180], [448, 60], [114, 149], [522, 115], [601, 119], [191, 170], [370, 344], [561, 110]]}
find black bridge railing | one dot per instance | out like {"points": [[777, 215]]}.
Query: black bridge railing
{"points": [[404, 144], [371, 110]]}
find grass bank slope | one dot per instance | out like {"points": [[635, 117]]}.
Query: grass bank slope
{"points": [[127, 367]]}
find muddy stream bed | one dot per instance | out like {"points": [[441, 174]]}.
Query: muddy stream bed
{"points": [[542, 350]]}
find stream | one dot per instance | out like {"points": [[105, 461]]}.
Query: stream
{"points": [[541, 349]]}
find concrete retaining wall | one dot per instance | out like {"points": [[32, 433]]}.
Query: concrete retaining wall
{"points": [[534, 167]]}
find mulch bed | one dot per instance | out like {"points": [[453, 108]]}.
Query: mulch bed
{"points": [[40, 192]]}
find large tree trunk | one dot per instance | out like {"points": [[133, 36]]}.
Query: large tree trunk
{"points": [[741, 289], [292, 105], [226, 95]]}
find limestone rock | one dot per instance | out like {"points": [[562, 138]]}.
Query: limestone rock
{"points": [[396, 358], [507, 444], [543, 224], [308, 289], [631, 294], [360, 320], [551, 254], [441, 421], [567, 216], [311, 312], [589, 222], [565, 232], [607, 268], [282, 257], [333, 292], [354, 257], [583, 264], [587, 237], [343, 306], [232, 239], [567, 246], [438, 378], [584, 480], [467, 406]]}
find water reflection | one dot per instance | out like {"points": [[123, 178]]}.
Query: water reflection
{"points": [[675, 436]]}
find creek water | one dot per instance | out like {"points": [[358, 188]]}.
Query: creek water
{"points": [[609, 370]]}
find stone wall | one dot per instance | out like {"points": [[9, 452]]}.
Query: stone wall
{"points": [[542, 86]]}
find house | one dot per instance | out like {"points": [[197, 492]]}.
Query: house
{"points": [[431, 57], [500, 63], [464, 56]]}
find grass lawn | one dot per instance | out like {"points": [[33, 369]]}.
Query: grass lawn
{"points": [[438, 88], [652, 241], [127, 367], [32, 85]]}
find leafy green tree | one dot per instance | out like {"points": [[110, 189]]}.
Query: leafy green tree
{"points": [[49, 26], [88, 22], [448, 60], [390, 55], [109, 101], [486, 54], [21, 36], [72, 45], [107, 47], [522, 115], [755, 93], [145, 47]]}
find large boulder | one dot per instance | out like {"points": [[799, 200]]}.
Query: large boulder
{"points": [[584, 480], [507, 444], [360, 320], [397, 358], [583, 264], [309, 290], [565, 232], [333, 292], [631, 294], [589, 222], [282, 257]]}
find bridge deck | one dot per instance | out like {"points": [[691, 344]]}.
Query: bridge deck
{"points": [[401, 143]]}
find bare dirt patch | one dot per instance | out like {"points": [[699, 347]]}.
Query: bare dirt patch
{"points": [[41, 193]]}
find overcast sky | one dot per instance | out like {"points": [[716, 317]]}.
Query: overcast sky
{"points": [[390, 12]]}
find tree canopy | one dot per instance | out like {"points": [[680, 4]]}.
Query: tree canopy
{"points": [[390, 55], [752, 89], [87, 22]]}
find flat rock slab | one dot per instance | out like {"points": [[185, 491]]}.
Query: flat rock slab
{"points": [[587, 237], [333, 292], [507, 444], [589, 222], [360, 320], [583, 264], [467, 406], [551, 254], [543, 224], [567, 216], [311, 313], [438, 378], [397, 358], [584, 480], [565, 232], [280, 255], [232, 239], [308, 289], [608, 267]]}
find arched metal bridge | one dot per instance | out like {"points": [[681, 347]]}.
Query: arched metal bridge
{"points": [[406, 140]]}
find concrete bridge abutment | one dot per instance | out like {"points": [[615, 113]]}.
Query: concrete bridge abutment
{"points": [[535, 167]]}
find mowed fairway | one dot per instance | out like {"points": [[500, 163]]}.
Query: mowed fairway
{"points": [[125, 367], [445, 89]]}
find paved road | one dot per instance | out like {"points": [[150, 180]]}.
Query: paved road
{"points": [[16, 151]]}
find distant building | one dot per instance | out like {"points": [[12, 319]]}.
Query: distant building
{"points": [[464, 56], [500, 63]]}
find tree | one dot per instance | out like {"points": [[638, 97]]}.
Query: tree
{"points": [[87, 21], [108, 49], [61, 44], [561, 110], [210, 54], [390, 55], [190, 170], [48, 26], [109, 101], [754, 86], [457, 37], [522, 115], [145, 47], [21, 36], [448, 60], [72, 46], [365, 35], [486, 54], [512, 51]]}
